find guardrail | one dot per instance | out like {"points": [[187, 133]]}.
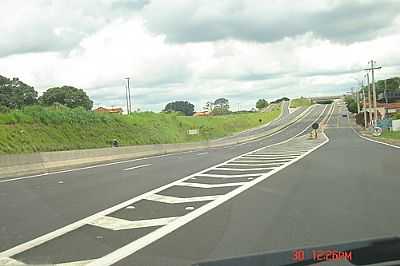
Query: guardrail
{"points": [[20, 164]]}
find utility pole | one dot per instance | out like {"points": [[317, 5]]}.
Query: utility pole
{"points": [[369, 99], [358, 101], [365, 111], [372, 69], [129, 96], [386, 98]]}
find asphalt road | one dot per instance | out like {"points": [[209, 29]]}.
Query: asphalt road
{"points": [[299, 192]]}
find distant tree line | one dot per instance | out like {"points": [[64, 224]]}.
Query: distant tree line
{"points": [[15, 94], [218, 107]]}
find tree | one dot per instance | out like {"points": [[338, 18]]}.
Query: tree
{"points": [[180, 106], [351, 104], [209, 107], [16, 94], [261, 103], [66, 95], [281, 99], [221, 106]]}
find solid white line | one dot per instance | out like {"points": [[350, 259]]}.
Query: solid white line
{"points": [[254, 164], [116, 224], [332, 111], [172, 200], [244, 170], [376, 141], [270, 156], [200, 185], [261, 161], [146, 240], [74, 263], [10, 262], [137, 167], [274, 154], [63, 230], [228, 176]]}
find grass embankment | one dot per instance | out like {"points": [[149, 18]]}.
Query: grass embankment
{"points": [[49, 129], [299, 102]]}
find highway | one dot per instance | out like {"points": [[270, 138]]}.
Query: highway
{"points": [[278, 192]]}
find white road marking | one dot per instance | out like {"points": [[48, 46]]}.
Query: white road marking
{"points": [[74, 263], [272, 156], [146, 240], [136, 167], [200, 185], [131, 207], [254, 164], [243, 169], [171, 199], [202, 153], [276, 154], [115, 224], [10, 262], [189, 208], [82, 168], [260, 161], [229, 176]]}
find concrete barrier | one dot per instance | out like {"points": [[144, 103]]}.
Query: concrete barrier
{"points": [[42, 162]]}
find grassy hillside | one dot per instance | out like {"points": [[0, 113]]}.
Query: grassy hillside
{"points": [[50, 129], [300, 102]]}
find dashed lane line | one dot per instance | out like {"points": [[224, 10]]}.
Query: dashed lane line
{"points": [[137, 167]]}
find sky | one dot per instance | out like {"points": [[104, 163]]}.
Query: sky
{"points": [[198, 50]]}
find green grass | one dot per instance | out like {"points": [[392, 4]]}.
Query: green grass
{"points": [[390, 134], [37, 128], [300, 102]]}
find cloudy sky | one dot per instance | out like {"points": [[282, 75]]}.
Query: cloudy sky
{"points": [[198, 50]]}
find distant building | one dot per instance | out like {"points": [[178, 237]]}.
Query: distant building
{"points": [[390, 96], [205, 113], [384, 109], [109, 110]]}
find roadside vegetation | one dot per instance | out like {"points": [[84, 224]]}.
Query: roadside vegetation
{"points": [[39, 128], [300, 102], [391, 134]]}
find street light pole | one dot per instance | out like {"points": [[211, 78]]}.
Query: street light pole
{"points": [[358, 94], [126, 97], [129, 96]]}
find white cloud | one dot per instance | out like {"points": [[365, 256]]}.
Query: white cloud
{"points": [[97, 44]]}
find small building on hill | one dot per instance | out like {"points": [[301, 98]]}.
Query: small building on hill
{"points": [[111, 110]]}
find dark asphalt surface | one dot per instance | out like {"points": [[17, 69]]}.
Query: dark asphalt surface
{"points": [[284, 118], [32, 207], [345, 190]]}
